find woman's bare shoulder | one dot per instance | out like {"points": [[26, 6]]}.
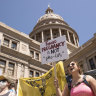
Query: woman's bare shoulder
{"points": [[90, 78]]}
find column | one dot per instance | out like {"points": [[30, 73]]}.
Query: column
{"points": [[39, 57], [1, 38], [10, 43], [74, 39], [35, 37], [51, 33], [6, 67], [77, 43], [34, 55], [34, 73], [26, 72], [85, 65], [42, 36], [68, 36], [18, 45], [60, 32], [15, 70], [18, 70]]}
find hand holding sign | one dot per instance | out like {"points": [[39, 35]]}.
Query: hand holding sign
{"points": [[54, 50]]}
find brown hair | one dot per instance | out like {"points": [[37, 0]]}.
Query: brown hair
{"points": [[80, 71]]}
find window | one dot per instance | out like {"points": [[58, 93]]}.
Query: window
{"points": [[2, 66], [55, 33], [37, 74], [11, 69], [92, 64], [46, 34], [38, 37], [32, 54], [76, 41], [64, 32], [6, 42], [71, 38], [1, 71], [95, 58], [37, 56], [53, 21], [31, 74], [14, 45], [11, 65], [2, 62], [33, 37]]}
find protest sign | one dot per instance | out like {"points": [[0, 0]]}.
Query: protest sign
{"points": [[54, 50]]}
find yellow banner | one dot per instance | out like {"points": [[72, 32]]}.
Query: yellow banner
{"points": [[43, 85]]}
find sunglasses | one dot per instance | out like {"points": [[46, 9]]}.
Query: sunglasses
{"points": [[72, 64]]}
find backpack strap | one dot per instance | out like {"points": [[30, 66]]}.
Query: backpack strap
{"points": [[69, 84], [85, 81], [69, 81]]}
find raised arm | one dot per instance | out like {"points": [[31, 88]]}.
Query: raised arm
{"points": [[66, 91], [58, 91]]}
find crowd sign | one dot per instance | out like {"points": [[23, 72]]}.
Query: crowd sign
{"points": [[54, 50]]}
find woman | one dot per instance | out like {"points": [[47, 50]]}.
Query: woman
{"points": [[78, 86], [4, 87]]}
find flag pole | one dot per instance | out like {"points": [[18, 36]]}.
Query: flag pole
{"points": [[55, 74], [18, 88]]}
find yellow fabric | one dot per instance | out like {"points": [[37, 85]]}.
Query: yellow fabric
{"points": [[43, 85]]}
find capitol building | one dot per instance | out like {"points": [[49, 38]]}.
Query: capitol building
{"points": [[20, 53]]}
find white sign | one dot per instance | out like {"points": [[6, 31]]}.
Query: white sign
{"points": [[54, 50]]}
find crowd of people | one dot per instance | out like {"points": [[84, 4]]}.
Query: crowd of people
{"points": [[7, 88], [79, 85]]}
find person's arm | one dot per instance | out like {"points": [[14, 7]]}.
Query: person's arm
{"points": [[58, 91], [92, 83], [66, 91]]}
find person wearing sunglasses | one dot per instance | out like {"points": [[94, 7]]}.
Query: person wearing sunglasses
{"points": [[80, 85]]}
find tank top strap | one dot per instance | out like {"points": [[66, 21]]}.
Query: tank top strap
{"points": [[85, 81]]}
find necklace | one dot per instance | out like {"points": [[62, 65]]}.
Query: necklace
{"points": [[77, 82]]}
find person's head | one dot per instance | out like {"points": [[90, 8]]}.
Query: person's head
{"points": [[73, 67], [4, 83], [11, 86]]}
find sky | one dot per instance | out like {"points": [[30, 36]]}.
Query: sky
{"points": [[23, 15]]}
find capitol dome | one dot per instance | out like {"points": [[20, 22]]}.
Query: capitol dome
{"points": [[50, 26], [50, 15]]}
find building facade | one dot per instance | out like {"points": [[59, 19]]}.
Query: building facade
{"points": [[20, 53]]}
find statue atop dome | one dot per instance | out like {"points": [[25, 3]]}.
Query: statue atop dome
{"points": [[49, 10]]}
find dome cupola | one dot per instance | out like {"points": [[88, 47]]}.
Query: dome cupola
{"points": [[49, 10]]}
